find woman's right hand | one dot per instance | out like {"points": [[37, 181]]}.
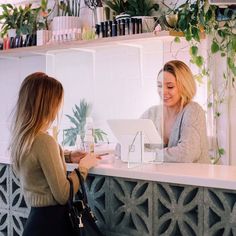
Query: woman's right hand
{"points": [[89, 161]]}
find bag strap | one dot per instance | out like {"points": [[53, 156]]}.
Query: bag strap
{"points": [[82, 194], [71, 193]]}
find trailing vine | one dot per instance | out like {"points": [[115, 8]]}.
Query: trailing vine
{"points": [[197, 19]]}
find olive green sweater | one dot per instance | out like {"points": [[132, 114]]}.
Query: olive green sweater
{"points": [[42, 173]]}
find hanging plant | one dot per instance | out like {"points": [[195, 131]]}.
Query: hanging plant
{"points": [[196, 19]]}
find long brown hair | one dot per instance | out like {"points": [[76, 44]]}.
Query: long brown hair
{"points": [[38, 103]]}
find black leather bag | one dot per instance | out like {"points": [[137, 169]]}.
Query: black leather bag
{"points": [[82, 220]]}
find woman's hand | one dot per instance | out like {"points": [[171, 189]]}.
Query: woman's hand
{"points": [[77, 155], [89, 161]]}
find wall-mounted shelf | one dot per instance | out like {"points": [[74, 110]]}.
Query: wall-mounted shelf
{"points": [[88, 44]]}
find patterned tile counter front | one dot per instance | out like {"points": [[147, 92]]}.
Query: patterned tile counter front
{"points": [[135, 207]]}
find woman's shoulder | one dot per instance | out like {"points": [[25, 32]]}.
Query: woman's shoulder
{"points": [[44, 138], [193, 112], [193, 107]]}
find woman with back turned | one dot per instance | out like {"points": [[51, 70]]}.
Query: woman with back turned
{"points": [[38, 160], [180, 121]]}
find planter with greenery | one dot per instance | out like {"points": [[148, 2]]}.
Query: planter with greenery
{"points": [[78, 120], [136, 8], [192, 19]]}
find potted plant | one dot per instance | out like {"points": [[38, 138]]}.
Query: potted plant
{"points": [[143, 9], [117, 6], [78, 120], [43, 32], [136, 8], [9, 19], [22, 20]]}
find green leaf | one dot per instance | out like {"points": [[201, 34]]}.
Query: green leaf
{"points": [[210, 104], [73, 120], [193, 51], [196, 34], [230, 62], [177, 40], [221, 151], [208, 15], [182, 24], [234, 43], [214, 47], [199, 61], [223, 54]]}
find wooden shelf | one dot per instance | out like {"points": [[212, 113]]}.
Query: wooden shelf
{"points": [[83, 44]]}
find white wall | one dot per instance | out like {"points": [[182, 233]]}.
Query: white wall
{"points": [[12, 72]]}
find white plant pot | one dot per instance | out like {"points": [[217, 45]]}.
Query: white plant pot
{"points": [[11, 33], [43, 36], [64, 23], [148, 23], [100, 14]]}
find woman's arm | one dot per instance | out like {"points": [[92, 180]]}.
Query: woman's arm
{"points": [[192, 135]]}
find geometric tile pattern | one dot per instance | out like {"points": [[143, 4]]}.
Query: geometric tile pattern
{"points": [[130, 207], [17, 201], [18, 221], [4, 186], [178, 210], [4, 222], [98, 197], [220, 212]]}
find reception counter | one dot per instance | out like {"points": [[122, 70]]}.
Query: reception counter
{"points": [[151, 199]]}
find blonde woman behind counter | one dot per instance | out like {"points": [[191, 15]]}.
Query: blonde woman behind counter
{"points": [[180, 121], [38, 159]]}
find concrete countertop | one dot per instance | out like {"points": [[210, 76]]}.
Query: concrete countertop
{"points": [[205, 175]]}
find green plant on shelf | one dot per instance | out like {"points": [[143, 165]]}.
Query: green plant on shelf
{"points": [[22, 19], [132, 7], [141, 7], [79, 120], [117, 6]]}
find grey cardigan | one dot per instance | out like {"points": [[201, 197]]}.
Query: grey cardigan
{"points": [[188, 139]]}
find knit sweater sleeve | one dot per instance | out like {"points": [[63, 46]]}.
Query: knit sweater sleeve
{"points": [[49, 158], [189, 145]]}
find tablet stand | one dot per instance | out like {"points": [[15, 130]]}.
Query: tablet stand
{"points": [[135, 150]]}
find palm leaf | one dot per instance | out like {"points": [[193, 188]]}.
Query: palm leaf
{"points": [[78, 120]]}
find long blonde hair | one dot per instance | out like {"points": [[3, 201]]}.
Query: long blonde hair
{"points": [[38, 103], [184, 80]]}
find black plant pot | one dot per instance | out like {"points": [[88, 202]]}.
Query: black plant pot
{"points": [[12, 42], [34, 39], [28, 40], [18, 41]]}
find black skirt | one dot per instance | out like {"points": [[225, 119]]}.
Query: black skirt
{"points": [[48, 221]]}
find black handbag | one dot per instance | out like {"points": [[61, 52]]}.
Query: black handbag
{"points": [[82, 220]]}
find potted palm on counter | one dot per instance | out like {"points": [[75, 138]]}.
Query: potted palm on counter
{"points": [[80, 113]]}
